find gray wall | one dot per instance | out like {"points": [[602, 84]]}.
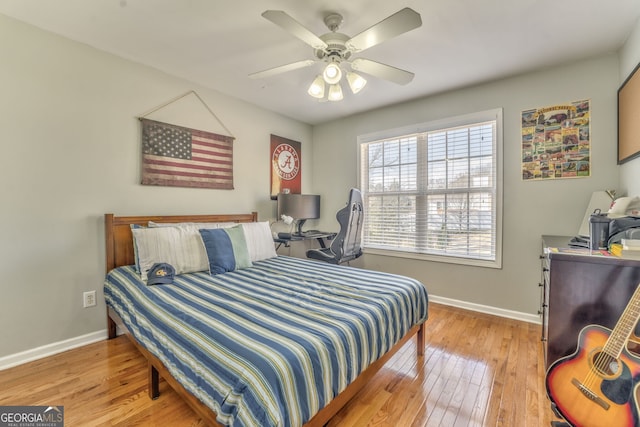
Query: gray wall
{"points": [[531, 208], [71, 152], [629, 59]]}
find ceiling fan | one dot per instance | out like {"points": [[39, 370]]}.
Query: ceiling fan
{"points": [[336, 50]]}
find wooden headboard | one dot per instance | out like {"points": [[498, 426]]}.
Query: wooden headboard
{"points": [[119, 241]]}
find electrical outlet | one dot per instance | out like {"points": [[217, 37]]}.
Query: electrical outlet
{"points": [[89, 299]]}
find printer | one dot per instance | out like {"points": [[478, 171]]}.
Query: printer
{"points": [[602, 226]]}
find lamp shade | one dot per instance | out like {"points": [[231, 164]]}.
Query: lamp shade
{"points": [[356, 82], [335, 93], [332, 73], [317, 88]]}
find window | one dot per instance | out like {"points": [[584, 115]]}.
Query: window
{"points": [[433, 191]]}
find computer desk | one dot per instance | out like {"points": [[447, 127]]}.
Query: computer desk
{"points": [[321, 236]]}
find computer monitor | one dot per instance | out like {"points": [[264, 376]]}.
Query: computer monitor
{"points": [[300, 207]]}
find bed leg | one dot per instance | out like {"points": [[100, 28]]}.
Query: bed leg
{"points": [[111, 327], [154, 382], [420, 340]]}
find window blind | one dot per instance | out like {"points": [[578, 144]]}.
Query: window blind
{"points": [[433, 192]]}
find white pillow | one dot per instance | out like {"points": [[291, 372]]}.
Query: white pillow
{"points": [[259, 240], [180, 247], [196, 225]]}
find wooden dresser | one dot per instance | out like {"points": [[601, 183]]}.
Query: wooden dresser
{"points": [[579, 290]]}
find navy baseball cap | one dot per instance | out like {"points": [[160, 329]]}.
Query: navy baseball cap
{"points": [[160, 273]]}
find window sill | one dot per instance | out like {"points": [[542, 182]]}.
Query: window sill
{"points": [[472, 262]]}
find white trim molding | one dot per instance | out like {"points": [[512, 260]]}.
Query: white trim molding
{"points": [[50, 349], [500, 312]]}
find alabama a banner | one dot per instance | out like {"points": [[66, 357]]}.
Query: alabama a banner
{"points": [[286, 175]]}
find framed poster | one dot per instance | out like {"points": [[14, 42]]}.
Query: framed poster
{"points": [[556, 141], [286, 161], [628, 113]]}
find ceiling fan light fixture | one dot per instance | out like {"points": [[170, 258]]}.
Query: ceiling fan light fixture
{"points": [[335, 93], [335, 48], [332, 73], [317, 87], [356, 82]]}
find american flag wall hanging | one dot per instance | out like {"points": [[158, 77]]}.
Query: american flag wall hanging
{"points": [[182, 157]]}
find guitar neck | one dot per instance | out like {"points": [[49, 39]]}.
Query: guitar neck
{"points": [[620, 335]]}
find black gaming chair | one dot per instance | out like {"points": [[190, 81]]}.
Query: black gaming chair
{"points": [[346, 246]]}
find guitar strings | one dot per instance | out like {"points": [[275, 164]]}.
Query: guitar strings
{"points": [[604, 359]]}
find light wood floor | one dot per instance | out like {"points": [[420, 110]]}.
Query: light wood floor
{"points": [[477, 370]]}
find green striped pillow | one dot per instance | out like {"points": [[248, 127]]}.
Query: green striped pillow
{"points": [[226, 249]]}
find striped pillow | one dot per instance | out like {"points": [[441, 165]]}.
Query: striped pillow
{"points": [[226, 249], [259, 240], [172, 245]]}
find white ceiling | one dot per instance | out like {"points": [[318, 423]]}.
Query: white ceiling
{"points": [[217, 43]]}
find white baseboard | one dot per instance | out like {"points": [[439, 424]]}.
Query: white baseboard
{"points": [[51, 349], [525, 317]]}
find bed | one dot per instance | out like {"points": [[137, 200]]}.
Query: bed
{"points": [[282, 341]]}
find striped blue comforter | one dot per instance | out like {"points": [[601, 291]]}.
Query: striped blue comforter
{"points": [[273, 344]]}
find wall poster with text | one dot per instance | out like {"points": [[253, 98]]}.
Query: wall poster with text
{"points": [[286, 161], [556, 142]]}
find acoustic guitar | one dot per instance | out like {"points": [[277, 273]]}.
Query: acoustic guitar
{"points": [[596, 385]]}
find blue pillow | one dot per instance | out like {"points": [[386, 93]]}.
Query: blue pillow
{"points": [[226, 249]]}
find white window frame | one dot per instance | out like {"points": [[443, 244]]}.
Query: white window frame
{"points": [[447, 123]]}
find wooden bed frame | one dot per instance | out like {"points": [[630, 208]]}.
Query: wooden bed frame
{"points": [[119, 252]]}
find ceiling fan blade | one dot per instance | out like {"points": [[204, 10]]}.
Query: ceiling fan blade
{"points": [[281, 69], [289, 24], [382, 71], [399, 23]]}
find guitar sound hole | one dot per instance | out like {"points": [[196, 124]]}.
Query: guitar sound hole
{"points": [[605, 365]]}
